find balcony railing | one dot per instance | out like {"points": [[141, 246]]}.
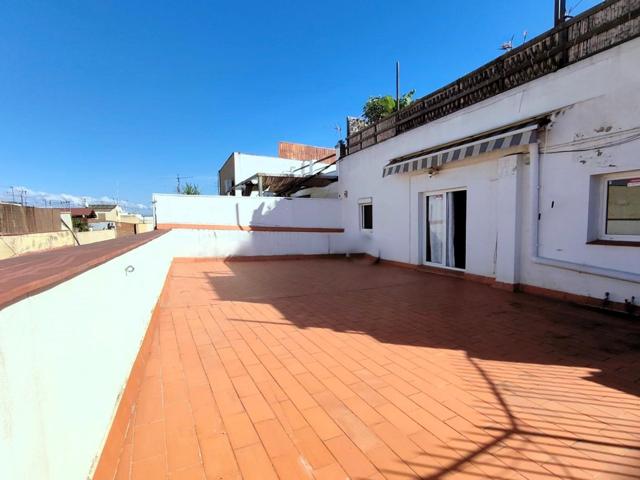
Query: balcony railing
{"points": [[602, 27]]}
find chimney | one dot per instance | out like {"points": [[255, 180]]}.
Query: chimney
{"points": [[560, 12]]}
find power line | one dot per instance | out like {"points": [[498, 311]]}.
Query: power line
{"points": [[571, 9], [610, 144]]}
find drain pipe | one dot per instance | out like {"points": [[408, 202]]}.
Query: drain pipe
{"points": [[534, 155]]}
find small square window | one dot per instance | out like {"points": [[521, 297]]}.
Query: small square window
{"points": [[366, 216], [622, 207]]}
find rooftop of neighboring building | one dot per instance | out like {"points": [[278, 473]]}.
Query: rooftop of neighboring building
{"points": [[86, 212], [103, 207], [300, 151]]}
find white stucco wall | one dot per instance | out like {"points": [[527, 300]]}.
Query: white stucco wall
{"points": [[65, 356], [232, 211], [245, 211], [225, 243], [595, 95]]}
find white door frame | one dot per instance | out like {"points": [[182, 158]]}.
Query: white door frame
{"points": [[424, 220]]}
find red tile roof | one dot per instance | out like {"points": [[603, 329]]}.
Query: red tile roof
{"points": [[82, 212]]}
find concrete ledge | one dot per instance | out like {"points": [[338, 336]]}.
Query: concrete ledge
{"points": [[247, 228], [26, 275], [114, 443], [258, 258]]}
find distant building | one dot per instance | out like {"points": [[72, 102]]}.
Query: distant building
{"points": [[299, 170], [81, 217], [107, 212]]}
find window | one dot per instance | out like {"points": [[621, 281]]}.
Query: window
{"points": [[622, 208], [366, 214], [446, 229]]}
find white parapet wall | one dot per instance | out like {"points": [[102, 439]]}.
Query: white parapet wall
{"points": [[239, 211], [226, 226], [224, 243], [65, 357]]}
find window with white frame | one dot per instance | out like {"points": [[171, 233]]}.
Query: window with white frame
{"points": [[621, 207], [365, 206]]}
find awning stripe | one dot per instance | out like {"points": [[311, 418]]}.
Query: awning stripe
{"points": [[514, 138]]}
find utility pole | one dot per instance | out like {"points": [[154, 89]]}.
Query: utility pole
{"points": [[13, 195], [178, 178], [560, 13], [398, 86], [563, 34]]}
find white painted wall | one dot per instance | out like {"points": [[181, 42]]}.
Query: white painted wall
{"points": [[250, 211], [226, 243], [244, 211], [597, 93], [65, 356]]}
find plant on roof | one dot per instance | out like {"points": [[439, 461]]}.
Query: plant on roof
{"points": [[378, 107], [190, 189], [80, 225]]}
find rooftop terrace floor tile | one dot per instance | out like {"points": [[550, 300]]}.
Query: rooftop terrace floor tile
{"points": [[334, 369]]}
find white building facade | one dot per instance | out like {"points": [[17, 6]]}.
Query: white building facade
{"points": [[241, 167], [556, 207]]}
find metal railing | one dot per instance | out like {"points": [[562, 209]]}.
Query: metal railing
{"points": [[602, 27]]}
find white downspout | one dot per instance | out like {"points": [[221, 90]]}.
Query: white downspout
{"points": [[534, 154]]}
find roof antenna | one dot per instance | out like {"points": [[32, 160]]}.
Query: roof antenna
{"points": [[397, 86], [507, 46]]}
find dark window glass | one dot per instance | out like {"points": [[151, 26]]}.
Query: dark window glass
{"points": [[367, 216]]}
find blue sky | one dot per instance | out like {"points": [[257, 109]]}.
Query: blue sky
{"points": [[114, 98]]}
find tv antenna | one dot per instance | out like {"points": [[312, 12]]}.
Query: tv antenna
{"points": [[508, 45]]}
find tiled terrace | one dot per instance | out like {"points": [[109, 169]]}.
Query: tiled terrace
{"points": [[334, 369]]}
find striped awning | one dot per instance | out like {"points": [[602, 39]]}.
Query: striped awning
{"points": [[436, 158]]}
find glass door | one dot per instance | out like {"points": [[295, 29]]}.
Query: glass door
{"points": [[446, 229], [436, 231]]}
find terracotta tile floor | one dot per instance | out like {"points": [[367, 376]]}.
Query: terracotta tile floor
{"points": [[334, 369]]}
